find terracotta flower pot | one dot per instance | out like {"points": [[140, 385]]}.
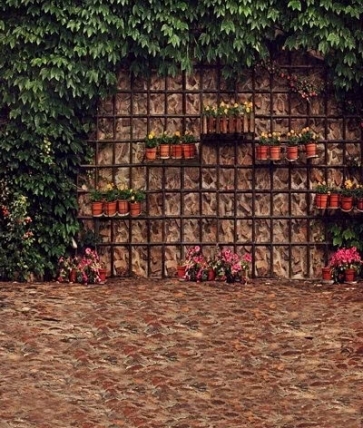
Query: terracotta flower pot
{"points": [[123, 207], [102, 274], [181, 272], [310, 149], [188, 150], [135, 209], [292, 153], [177, 151], [275, 153], [333, 201], [73, 275], [211, 125], [211, 275], [327, 273], [223, 125], [111, 208], [360, 204], [164, 151], [346, 203], [97, 208], [150, 153], [262, 153], [349, 275], [321, 200]]}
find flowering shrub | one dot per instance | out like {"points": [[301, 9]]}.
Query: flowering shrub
{"points": [[87, 267], [196, 266], [269, 139], [18, 258], [348, 188], [230, 266], [345, 258], [305, 86]]}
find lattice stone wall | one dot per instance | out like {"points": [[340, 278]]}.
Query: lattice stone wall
{"points": [[223, 195]]}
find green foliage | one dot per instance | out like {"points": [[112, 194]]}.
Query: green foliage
{"points": [[57, 61], [345, 231]]}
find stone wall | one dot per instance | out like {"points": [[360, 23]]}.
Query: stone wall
{"points": [[222, 196]]}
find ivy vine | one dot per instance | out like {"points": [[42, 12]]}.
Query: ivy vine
{"points": [[56, 62]]}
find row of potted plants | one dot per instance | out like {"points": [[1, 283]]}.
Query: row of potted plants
{"points": [[228, 118], [225, 265], [346, 197], [345, 265], [166, 146], [84, 269], [116, 201], [271, 146]]}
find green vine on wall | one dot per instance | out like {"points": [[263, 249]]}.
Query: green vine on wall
{"points": [[57, 61]]}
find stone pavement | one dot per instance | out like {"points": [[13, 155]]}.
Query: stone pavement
{"points": [[169, 354]]}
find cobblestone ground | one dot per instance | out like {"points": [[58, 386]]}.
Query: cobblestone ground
{"points": [[160, 354]]}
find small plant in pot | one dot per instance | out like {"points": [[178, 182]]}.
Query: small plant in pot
{"points": [[346, 264], [137, 196], [97, 198], [151, 146]]}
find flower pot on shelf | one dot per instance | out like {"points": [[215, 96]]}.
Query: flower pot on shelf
{"points": [[123, 207], [231, 124], [275, 153], [327, 273], [135, 209], [360, 204], [262, 153], [150, 153], [310, 149], [97, 208], [223, 125], [164, 151], [177, 151], [110, 208], [321, 201], [239, 124], [292, 153], [211, 125], [349, 275], [333, 201], [346, 203], [188, 150]]}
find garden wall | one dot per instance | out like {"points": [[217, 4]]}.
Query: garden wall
{"points": [[223, 195]]}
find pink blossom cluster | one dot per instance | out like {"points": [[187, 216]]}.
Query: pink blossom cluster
{"points": [[195, 264], [345, 258]]}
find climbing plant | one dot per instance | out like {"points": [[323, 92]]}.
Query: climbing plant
{"points": [[57, 61]]}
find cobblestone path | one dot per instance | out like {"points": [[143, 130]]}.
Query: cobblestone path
{"points": [[170, 354]]}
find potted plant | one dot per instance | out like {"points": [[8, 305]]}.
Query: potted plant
{"points": [[358, 194], [322, 191], [248, 116], [123, 196], [89, 267], [188, 141], [231, 267], [164, 145], [309, 138], [196, 266], [137, 196], [67, 269], [111, 195], [209, 122], [151, 146], [292, 146], [96, 197], [346, 263], [272, 141], [176, 151], [347, 192]]}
